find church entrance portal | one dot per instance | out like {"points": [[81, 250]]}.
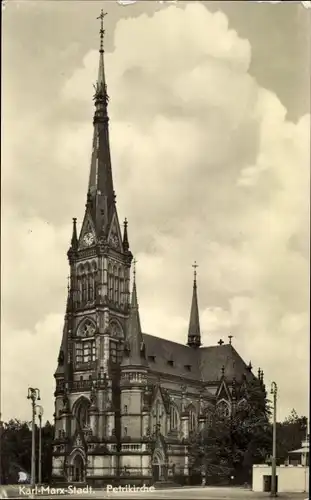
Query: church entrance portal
{"points": [[158, 467], [78, 469]]}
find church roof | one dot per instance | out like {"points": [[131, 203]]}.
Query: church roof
{"points": [[213, 358], [171, 358]]}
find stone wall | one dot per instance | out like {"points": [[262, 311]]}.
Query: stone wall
{"points": [[291, 479]]}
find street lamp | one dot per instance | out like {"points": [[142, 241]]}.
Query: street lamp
{"points": [[34, 395], [274, 391], [39, 409]]}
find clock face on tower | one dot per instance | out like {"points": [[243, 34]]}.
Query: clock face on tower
{"points": [[88, 239]]}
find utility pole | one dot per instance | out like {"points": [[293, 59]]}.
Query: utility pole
{"points": [[39, 408], [274, 391], [1, 432], [34, 395]]}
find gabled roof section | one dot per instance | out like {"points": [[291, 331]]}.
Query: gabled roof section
{"points": [[164, 351], [223, 391], [214, 358], [88, 228], [160, 393], [114, 235], [206, 364]]}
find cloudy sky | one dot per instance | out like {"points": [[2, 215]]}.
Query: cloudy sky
{"points": [[210, 148]]}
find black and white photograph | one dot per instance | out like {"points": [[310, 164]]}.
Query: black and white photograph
{"points": [[155, 326]]}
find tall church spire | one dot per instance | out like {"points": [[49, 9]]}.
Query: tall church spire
{"points": [[101, 196], [194, 333], [134, 352]]}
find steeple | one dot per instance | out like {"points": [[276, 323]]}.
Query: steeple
{"points": [[101, 196], [194, 333], [134, 350]]}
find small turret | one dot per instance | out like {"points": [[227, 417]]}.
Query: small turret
{"points": [[125, 242], [134, 349]]}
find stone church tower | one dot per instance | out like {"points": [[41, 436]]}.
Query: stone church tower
{"points": [[126, 403]]}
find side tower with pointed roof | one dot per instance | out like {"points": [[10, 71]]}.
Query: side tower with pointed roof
{"points": [[87, 387], [133, 382], [194, 332]]}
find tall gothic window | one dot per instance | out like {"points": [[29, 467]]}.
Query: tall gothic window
{"points": [[80, 271], [116, 285], [110, 282], [93, 284], [90, 288], [84, 288], [85, 347], [116, 342], [121, 285], [81, 412], [174, 418], [192, 420]]}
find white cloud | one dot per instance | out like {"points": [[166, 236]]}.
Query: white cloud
{"points": [[206, 167], [30, 360]]}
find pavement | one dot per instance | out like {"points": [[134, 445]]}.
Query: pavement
{"points": [[204, 493]]}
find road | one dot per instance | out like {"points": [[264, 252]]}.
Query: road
{"points": [[207, 493]]}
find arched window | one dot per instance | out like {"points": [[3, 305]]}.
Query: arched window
{"points": [[90, 288], [84, 288], [192, 420], [116, 342], [85, 348], [93, 286], [81, 413], [86, 329], [115, 284], [174, 418], [223, 409], [80, 271]]}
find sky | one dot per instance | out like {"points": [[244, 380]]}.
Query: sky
{"points": [[210, 142]]}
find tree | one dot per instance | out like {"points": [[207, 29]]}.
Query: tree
{"points": [[230, 445], [16, 450], [290, 433]]}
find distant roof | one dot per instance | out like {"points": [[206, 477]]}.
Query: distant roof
{"points": [[205, 363], [300, 450]]}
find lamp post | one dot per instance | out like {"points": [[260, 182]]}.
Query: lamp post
{"points": [[34, 395], [274, 391], [39, 408]]}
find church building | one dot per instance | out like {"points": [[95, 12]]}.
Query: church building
{"points": [[126, 402]]}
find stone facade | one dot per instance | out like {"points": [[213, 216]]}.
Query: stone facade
{"points": [[126, 402]]}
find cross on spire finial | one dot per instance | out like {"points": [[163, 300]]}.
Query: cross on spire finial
{"points": [[220, 342], [102, 31], [195, 266]]}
